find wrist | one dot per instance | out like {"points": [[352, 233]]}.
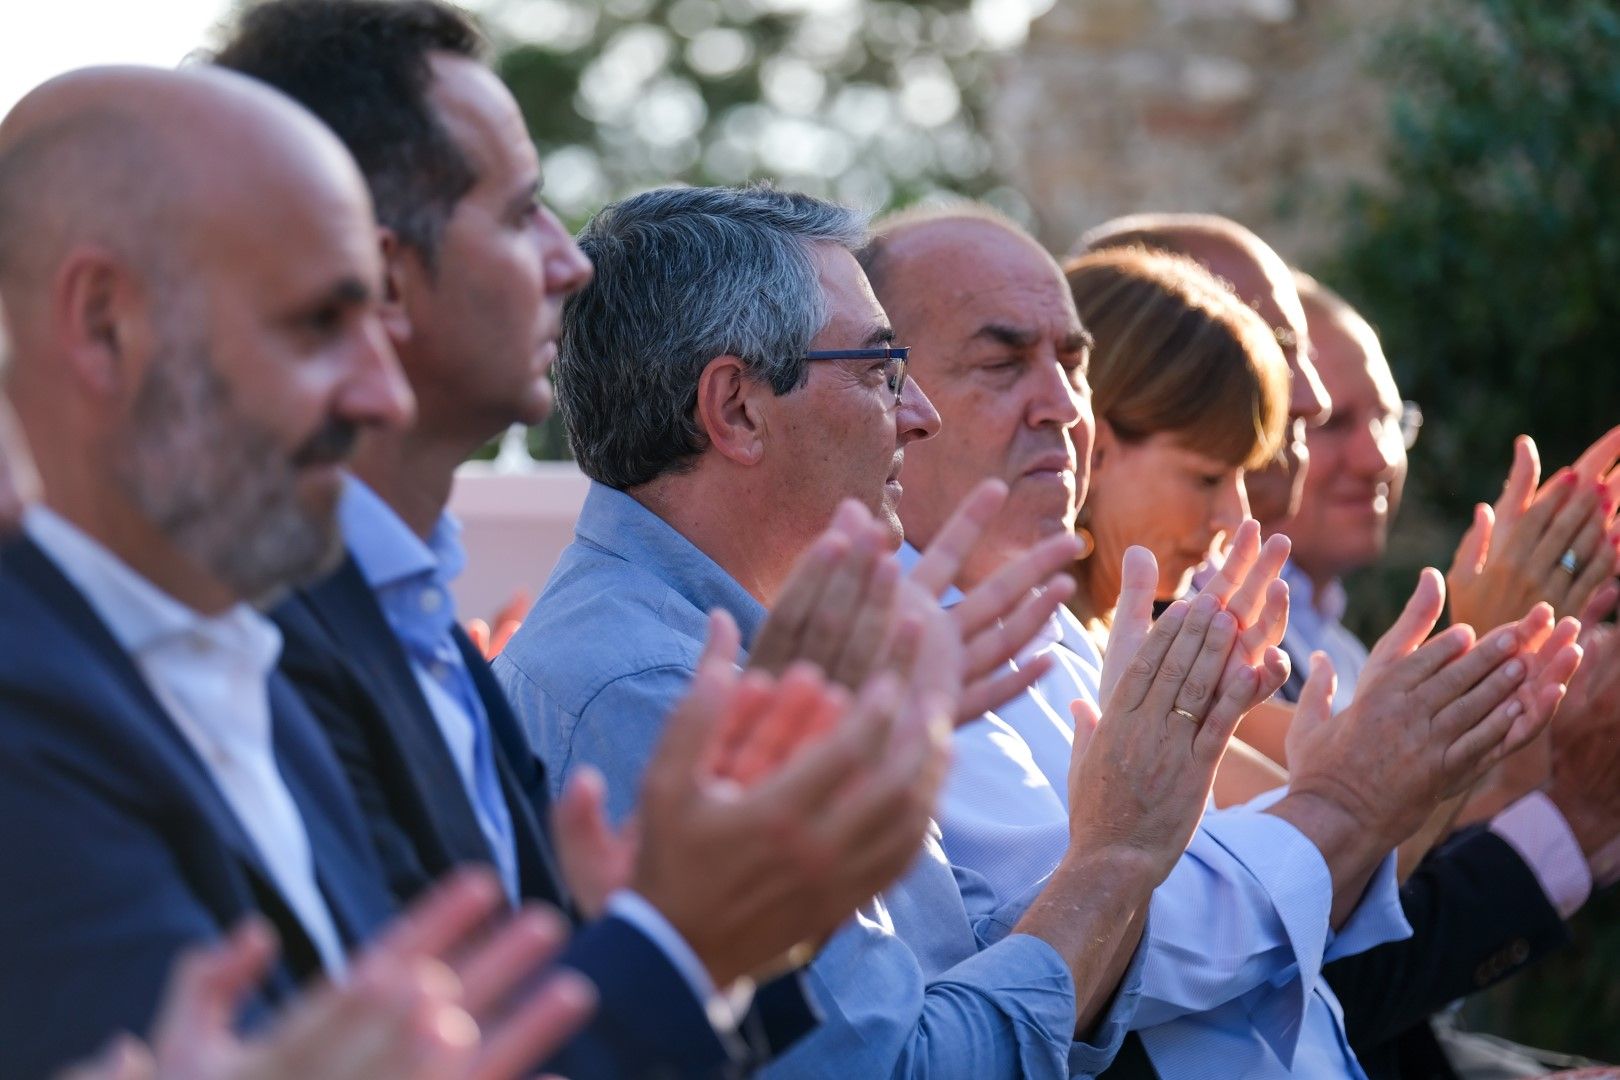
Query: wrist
{"points": [[1350, 842], [1593, 831], [1110, 858]]}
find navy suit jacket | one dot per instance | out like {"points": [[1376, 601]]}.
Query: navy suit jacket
{"points": [[119, 850], [347, 662], [1478, 915]]}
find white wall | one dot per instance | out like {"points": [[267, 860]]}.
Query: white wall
{"points": [[516, 524]]}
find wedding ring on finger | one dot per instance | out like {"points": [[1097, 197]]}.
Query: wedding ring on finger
{"points": [[1179, 711], [1567, 562]]}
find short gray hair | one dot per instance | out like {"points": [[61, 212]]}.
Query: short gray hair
{"points": [[684, 275]]}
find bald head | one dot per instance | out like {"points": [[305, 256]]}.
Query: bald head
{"points": [[145, 164], [998, 348], [190, 267]]}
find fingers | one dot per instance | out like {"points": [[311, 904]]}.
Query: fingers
{"points": [[842, 606], [1520, 486], [1474, 546], [1086, 718], [1268, 628], [1497, 682], [812, 776], [1564, 526], [442, 919], [943, 558], [1001, 593], [537, 1028], [1596, 460], [585, 840], [502, 635], [1143, 666], [1172, 675], [1236, 699], [478, 634], [1197, 691], [992, 646], [801, 696], [1596, 557], [1315, 704], [1600, 605], [210, 983], [1416, 620], [779, 639], [1252, 595], [525, 944], [989, 693], [748, 702], [1133, 615], [1240, 557], [874, 612]]}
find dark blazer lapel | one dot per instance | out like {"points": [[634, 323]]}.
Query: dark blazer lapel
{"points": [[30, 566], [346, 867], [523, 783], [345, 603]]}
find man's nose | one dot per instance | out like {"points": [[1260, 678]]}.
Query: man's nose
{"points": [[915, 418], [376, 392]]}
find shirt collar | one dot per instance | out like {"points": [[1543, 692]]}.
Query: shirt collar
{"points": [[141, 616], [618, 524], [387, 551]]}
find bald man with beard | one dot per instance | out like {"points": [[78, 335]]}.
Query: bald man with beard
{"points": [[154, 825]]}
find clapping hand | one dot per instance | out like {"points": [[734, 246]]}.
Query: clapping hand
{"points": [[432, 999]]}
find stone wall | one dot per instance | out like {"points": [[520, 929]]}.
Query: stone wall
{"points": [[1259, 109]]}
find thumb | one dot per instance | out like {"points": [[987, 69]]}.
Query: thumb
{"points": [[1315, 706], [1416, 620], [1086, 719], [1521, 483], [1133, 615], [1475, 544], [209, 984], [580, 816]]}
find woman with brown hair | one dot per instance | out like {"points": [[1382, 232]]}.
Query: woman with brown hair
{"points": [[1190, 390]]}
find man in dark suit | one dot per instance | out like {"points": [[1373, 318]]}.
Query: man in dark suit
{"points": [[157, 781], [477, 270]]}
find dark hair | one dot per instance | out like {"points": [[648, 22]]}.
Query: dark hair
{"points": [[684, 275], [362, 67]]}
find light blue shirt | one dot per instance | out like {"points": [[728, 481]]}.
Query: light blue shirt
{"points": [[411, 580], [907, 987], [1238, 931], [412, 583], [1313, 624]]}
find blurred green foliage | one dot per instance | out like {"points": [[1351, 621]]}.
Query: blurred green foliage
{"points": [[873, 102], [1490, 263]]}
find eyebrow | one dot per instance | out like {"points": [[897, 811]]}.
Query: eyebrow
{"points": [[1011, 336], [879, 336], [1078, 341], [528, 193]]}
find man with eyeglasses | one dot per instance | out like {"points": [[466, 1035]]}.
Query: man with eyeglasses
{"points": [[1352, 488], [730, 387], [1502, 891]]}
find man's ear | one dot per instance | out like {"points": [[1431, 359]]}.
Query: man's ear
{"points": [[728, 410], [103, 319], [402, 270]]}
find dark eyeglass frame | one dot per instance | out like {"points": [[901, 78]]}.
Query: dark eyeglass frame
{"points": [[899, 355]]}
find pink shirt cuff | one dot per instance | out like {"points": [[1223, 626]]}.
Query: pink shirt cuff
{"points": [[1535, 829]]}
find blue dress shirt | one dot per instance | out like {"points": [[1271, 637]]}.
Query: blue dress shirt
{"points": [[908, 987], [412, 582], [1313, 624], [1238, 931]]}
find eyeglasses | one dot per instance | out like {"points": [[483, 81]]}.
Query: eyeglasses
{"points": [[894, 369], [1385, 427]]}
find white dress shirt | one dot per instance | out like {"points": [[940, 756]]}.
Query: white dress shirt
{"points": [[211, 675]]}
